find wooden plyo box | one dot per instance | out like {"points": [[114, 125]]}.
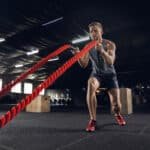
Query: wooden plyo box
{"points": [[39, 104], [126, 100]]}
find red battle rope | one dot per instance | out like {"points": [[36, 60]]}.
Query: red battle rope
{"points": [[4, 119], [40, 63]]}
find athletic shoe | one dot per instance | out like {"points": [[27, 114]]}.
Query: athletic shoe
{"points": [[91, 126], [120, 120]]}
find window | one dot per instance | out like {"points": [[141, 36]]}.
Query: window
{"points": [[42, 92], [16, 88], [1, 83], [28, 88]]}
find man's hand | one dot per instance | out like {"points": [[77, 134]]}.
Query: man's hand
{"points": [[75, 50], [100, 48]]}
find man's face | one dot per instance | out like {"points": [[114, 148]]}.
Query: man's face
{"points": [[95, 33]]}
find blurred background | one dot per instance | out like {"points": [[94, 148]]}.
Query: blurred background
{"points": [[30, 30]]}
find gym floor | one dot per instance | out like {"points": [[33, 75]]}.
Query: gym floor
{"points": [[66, 131]]}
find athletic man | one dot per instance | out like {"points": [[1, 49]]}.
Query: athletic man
{"points": [[103, 74]]}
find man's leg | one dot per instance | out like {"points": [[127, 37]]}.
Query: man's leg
{"points": [[114, 95], [93, 85]]}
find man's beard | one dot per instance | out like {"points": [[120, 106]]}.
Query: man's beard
{"points": [[97, 38]]}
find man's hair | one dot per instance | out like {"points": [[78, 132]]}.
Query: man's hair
{"points": [[96, 24]]}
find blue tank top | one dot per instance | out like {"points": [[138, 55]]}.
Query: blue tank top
{"points": [[99, 66]]}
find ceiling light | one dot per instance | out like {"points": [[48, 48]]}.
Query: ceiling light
{"points": [[82, 39], [19, 65], [33, 52], [2, 40], [54, 59], [32, 76], [52, 21]]}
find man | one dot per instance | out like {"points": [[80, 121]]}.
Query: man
{"points": [[103, 74]]}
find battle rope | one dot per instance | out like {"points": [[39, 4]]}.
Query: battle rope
{"points": [[4, 119], [40, 63]]}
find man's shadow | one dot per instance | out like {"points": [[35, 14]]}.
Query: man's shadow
{"points": [[104, 126], [81, 130]]}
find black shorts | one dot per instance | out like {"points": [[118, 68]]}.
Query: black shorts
{"points": [[106, 82]]}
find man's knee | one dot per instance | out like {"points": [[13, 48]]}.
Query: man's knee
{"points": [[93, 83]]}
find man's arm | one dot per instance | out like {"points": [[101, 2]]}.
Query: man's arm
{"points": [[109, 55], [83, 61]]}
